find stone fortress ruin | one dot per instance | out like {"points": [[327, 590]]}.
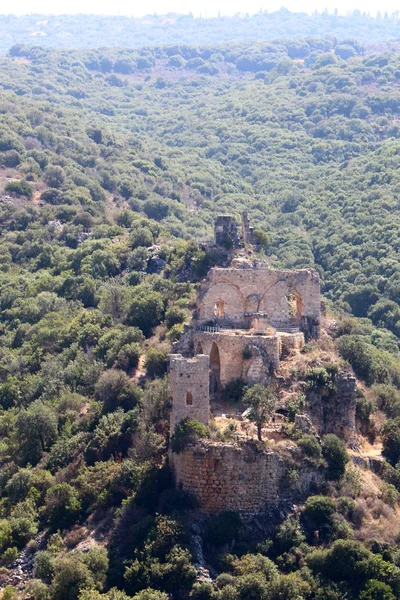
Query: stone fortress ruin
{"points": [[248, 319]]}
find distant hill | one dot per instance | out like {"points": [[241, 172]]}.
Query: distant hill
{"points": [[92, 31]]}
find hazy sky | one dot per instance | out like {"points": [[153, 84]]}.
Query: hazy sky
{"points": [[204, 7]]}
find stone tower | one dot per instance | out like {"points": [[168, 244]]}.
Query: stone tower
{"points": [[226, 231], [189, 379]]}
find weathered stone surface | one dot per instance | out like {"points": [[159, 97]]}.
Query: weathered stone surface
{"points": [[189, 380], [335, 412], [242, 477], [290, 298], [304, 424], [226, 231]]}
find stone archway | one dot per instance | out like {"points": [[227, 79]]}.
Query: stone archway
{"points": [[215, 370]]}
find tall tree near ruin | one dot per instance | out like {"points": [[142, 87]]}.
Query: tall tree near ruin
{"points": [[262, 401]]}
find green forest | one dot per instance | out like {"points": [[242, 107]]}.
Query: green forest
{"points": [[114, 163]]}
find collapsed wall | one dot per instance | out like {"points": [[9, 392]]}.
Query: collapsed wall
{"points": [[243, 477]]}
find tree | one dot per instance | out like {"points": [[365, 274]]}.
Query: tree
{"points": [[71, 576], [377, 590], [62, 505], [156, 362], [261, 401], [54, 176], [391, 440], [335, 453], [36, 429], [115, 389], [146, 311]]}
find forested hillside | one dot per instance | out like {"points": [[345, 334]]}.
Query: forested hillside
{"points": [[114, 164], [94, 31]]}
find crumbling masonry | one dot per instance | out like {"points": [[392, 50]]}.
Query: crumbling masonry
{"points": [[246, 322]]}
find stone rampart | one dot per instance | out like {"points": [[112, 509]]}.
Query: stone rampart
{"points": [[242, 477]]}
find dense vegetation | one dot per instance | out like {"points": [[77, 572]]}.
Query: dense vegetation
{"points": [[113, 164]]}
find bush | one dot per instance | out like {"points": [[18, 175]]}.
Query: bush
{"points": [[115, 389], [62, 505], [156, 362], [222, 529], [43, 566], [391, 440], [20, 188], [377, 590], [235, 390], [128, 357], [368, 362], [289, 535], [146, 311], [187, 432], [310, 446], [174, 316], [335, 453], [319, 510], [387, 398], [71, 576]]}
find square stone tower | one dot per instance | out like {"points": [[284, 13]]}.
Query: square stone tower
{"points": [[189, 379]]}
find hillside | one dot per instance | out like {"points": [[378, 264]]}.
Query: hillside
{"points": [[114, 165], [95, 31]]}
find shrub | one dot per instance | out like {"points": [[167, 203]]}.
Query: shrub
{"points": [[222, 529], [146, 311], [234, 390], [128, 357], [156, 362], [261, 238], [320, 378], [387, 398], [391, 440], [115, 389], [252, 587], [319, 509], [310, 446], [364, 408], [187, 432], [335, 453], [62, 505], [37, 590], [43, 566], [174, 316], [368, 362], [71, 576], [377, 590], [20, 188], [289, 534]]}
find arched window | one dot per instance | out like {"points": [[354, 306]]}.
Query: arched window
{"points": [[189, 399], [219, 309]]}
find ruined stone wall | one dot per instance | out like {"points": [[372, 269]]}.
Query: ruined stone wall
{"points": [[335, 412], [294, 341], [241, 477], [226, 231], [261, 290], [264, 360], [189, 376]]}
